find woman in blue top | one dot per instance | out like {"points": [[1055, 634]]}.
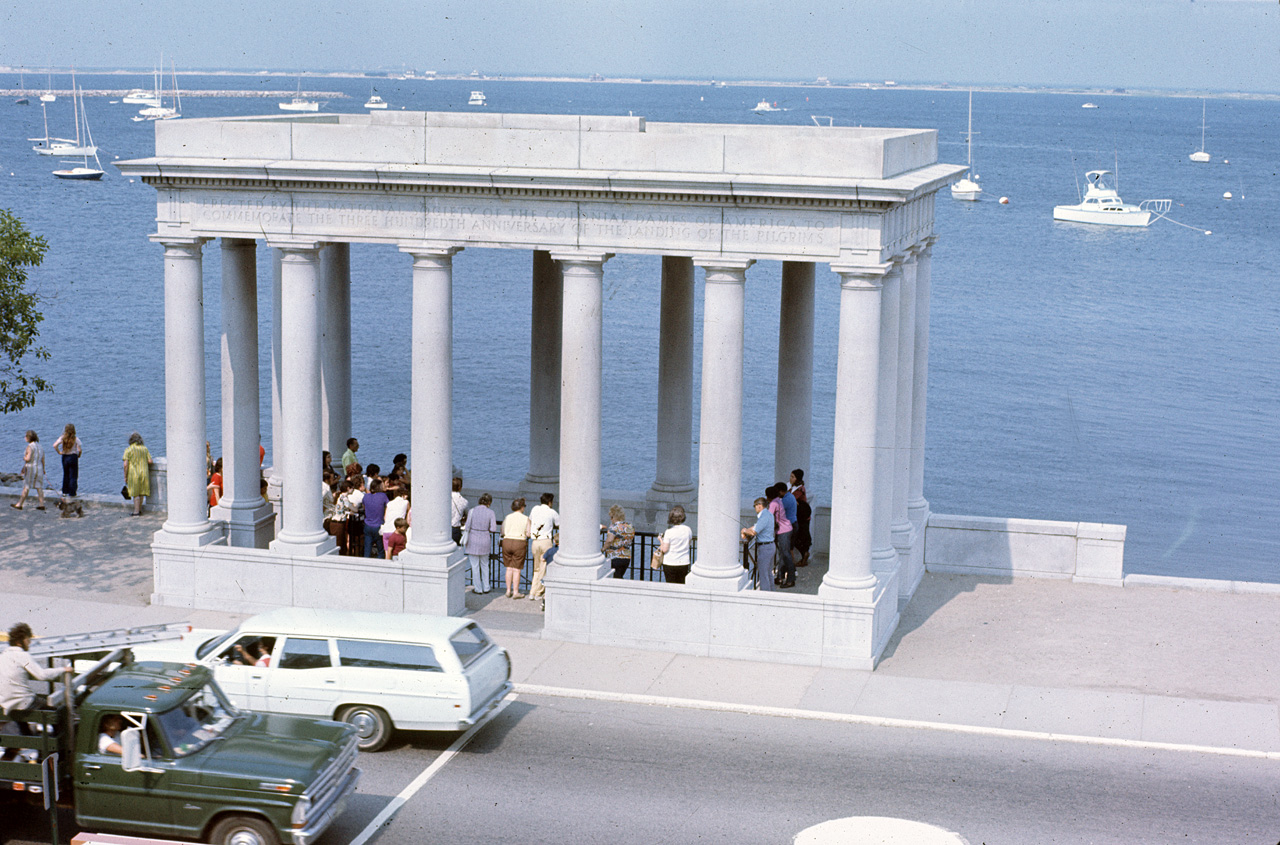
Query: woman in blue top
{"points": [[762, 531]]}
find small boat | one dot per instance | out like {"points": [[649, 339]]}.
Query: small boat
{"points": [[477, 99], [157, 110], [764, 106], [22, 101], [1102, 205], [83, 172], [139, 97], [77, 146], [374, 101], [1200, 155], [968, 188], [1089, 106], [299, 102], [48, 96]]}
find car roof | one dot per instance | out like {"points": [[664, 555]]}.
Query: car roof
{"points": [[355, 624]]}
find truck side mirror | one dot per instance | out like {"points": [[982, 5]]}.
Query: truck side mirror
{"points": [[131, 751]]}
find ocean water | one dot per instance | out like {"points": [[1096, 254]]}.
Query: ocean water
{"points": [[1076, 372]]}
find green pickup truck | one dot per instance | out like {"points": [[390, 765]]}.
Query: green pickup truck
{"points": [[191, 765]]}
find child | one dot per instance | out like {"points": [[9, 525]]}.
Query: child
{"points": [[395, 541]]}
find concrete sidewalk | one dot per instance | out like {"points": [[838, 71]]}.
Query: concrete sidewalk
{"points": [[1143, 664]]}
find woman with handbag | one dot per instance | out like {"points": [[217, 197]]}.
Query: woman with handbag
{"points": [[675, 546], [137, 472]]}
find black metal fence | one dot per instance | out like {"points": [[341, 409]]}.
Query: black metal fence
{"points": [[643, 545]]}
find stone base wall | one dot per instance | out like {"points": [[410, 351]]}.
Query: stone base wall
{"points": [[749, 625], [1087, 552]]}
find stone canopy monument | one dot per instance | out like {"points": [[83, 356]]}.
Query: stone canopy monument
{"points": [[572, 190]]}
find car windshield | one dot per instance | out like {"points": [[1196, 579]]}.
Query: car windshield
{"points": [[203, 717], [208, 646]]}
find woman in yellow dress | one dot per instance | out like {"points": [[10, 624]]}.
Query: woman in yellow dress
{"points": [[137, 471]]}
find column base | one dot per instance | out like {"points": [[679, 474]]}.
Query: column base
{"points": [[918, 513], [671, 494], [434, 581], [588, 569], [306, 545], [249, 528], [192, 536], [720, 580]]}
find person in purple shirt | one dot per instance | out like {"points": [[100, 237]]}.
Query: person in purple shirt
{"points": [[790, 506], [782, 536], [375, 508]]}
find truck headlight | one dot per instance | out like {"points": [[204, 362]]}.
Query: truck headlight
{"points": [[300, 812]]}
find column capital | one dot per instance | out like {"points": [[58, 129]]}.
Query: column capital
{"points": [[429, 249], [290, 246], [724, 269], [580, 257], [183, 243], [862, 276]]}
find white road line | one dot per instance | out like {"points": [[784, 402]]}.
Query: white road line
{"points": [[885, 722], [389, 811]]}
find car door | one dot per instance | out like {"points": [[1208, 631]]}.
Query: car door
{"points": [[108, 796], [303, 679], [244, 684]]}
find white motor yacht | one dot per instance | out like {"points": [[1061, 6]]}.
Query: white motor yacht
{"points": [[375, 102], [299, 102], [139, 97], [764, 106], [1103, 206], [477, 99]]}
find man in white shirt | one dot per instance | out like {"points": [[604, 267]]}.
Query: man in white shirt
{"points": [[543, 524], [16, 667], [458, 510]]}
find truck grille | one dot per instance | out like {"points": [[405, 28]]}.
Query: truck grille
{"points": [[324, 788]]}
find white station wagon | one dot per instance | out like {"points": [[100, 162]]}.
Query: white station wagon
{"points": [[378, 671]]}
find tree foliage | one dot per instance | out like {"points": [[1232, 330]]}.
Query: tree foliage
{"points": [[20, 317]]}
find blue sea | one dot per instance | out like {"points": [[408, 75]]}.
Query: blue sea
{"points": [[1076, 372]]}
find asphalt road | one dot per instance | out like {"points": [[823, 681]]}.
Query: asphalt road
{"points": [[553, 770]]}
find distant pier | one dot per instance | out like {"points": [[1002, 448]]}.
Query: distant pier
{"points": [[195, 92]]}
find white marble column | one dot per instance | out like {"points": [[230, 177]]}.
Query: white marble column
{"points": [[901, 528], [438, 581], [719, 560], [187, 522], [275, 483], [546, 316], [299, 445], [580, 416], [248, 517], [917, 505], [674, 479], [335, 348], [884, 557], [793, 432], [853, 472]]}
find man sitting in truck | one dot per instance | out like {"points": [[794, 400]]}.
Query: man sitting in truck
{"points": [[17, 698], [109, 738]]}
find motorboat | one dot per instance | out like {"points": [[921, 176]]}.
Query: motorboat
{"points": [[477, 99], [299, 102], [1103, 206], [968, 188], [77, 146], [140, 97], [1089, 106], [375, 102], [764, 106], [84, 171], [1200, 155]]}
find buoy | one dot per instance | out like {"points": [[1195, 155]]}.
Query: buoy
{"points": [[1207, 232], [1226, 161], [1004, 200], [1226, 195]]}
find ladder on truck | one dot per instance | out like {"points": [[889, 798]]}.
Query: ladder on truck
{"points": [[93, 642]]}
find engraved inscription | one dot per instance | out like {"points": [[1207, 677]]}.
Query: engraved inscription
{"points": [[257, 211], [626, 225], [480, 221], [372, 215], [780, 230]]}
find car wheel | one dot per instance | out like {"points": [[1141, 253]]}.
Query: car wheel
{"points": [[373, 727], [243, 830]]}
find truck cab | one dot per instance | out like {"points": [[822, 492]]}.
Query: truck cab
{"points": [[187, 763]]}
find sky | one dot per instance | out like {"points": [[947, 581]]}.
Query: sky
{"points": [[1214, 45]]}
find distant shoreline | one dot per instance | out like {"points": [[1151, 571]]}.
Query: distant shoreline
{"points": [[705, 83]]}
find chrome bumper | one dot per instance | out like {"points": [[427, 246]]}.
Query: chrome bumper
{"points": [[325, 815]]}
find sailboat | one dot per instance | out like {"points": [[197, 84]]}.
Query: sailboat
{"points": [[89, 149], [22, 100], [1200, 155], [299, 102], [968, 187], [48, 96], [159, 111], [77, 146]]}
